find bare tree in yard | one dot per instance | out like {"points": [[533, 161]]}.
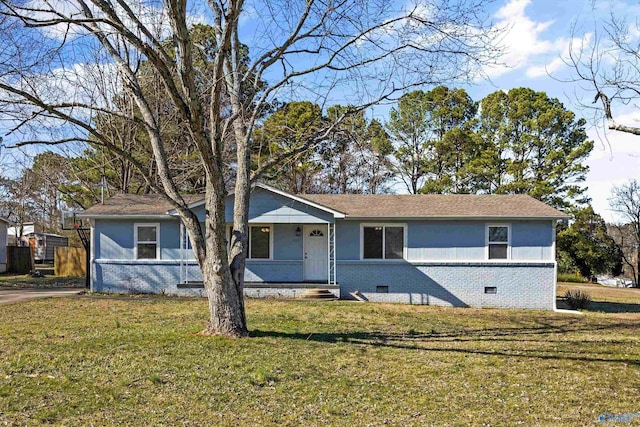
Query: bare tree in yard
{"points": [[607, 63], [625, 200], [358, 53]]}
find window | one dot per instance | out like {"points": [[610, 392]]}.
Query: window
{"points": [[147, 239], [380, 289], [490, 290], [383, 242], [259, 241], [498, 237]]}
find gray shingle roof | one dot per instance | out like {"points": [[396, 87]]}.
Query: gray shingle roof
{"points": [[436, 205], [135, 205], [364, 206]]}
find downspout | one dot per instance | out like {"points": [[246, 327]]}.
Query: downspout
{"points": [[555, 263], [92, 254]]}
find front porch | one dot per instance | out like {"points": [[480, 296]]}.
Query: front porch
{"points": [[279, 253]]}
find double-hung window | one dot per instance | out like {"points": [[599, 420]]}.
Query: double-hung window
{"points": [[498, 241], [383, 241], [147, 241]]}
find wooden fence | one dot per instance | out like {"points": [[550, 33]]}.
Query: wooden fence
{"points": [[70, 262], [19, 259]]}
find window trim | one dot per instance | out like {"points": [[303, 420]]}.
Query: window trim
{"points": [[271, 232], [384, 236], [487, 243], [136, 242]]}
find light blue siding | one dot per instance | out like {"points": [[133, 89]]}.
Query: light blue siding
{"points": [[268, 207], [113, 239], [170, 240], [445, 240], [286, 245], [347, 240], [273, 271], [454, 240], [532, 240]]}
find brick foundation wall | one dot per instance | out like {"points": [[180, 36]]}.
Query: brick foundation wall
{"points": [[517, 285]]}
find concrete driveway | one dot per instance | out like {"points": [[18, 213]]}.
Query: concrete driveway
{"points": [[8, 296]]}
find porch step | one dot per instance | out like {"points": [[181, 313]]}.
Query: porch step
{"points": [[317, 294]]}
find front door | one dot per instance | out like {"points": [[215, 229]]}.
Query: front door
{"points": [[315, 252]]}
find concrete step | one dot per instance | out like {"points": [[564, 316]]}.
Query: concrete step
{"points": [[317, 294]]}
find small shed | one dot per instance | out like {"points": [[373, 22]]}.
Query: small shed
{"points": [[45, 244]]}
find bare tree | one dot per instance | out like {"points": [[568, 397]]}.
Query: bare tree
{"points": [[625, 200], [363, 52], [607, 63]]}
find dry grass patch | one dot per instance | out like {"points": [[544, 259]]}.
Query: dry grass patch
{"points": [[140, 362], [604, 298], [21, 281]]}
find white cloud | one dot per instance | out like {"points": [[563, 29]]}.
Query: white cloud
{"points": [[522, 39], [524, 44]]}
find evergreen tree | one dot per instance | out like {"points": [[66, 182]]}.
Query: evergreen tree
{"points": [[531, 144]]}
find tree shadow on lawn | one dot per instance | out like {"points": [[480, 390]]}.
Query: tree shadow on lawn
{"points": [[433, 341], [614, 307], [605, 306]]}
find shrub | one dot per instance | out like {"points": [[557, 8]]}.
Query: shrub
{"points": [[577, 299], [571, 277]]}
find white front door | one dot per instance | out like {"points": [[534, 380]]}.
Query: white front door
{"points": [[315, 252]]}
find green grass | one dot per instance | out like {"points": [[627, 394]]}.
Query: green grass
{"points": [[569, 277], [139, 361], [12, 281]]}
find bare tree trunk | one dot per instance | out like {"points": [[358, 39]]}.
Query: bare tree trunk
{"points": [[226, 304]]}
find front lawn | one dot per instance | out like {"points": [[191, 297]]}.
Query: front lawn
{"points": [[140, 361]]}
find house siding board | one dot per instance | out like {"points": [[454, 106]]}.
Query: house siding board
{"points": [[445, 240], [267, 207], [531, 240], [286, 245], [519, 285], [347, 240], [453, 240], [114, 239], [170, 240], [273, 271]]}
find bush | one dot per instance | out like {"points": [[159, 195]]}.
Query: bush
{"points": [[577, 299], [571, 277]]}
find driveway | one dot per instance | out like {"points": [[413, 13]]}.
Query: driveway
{"points": [[9, 296]]}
